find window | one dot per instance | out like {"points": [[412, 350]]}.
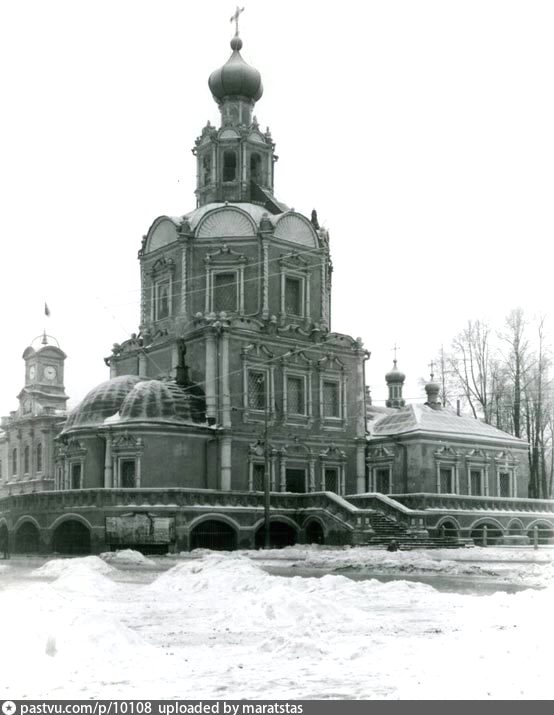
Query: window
{"points": [[475, 477], [207, 169], [256, 168], [296, 480], [257, 390], [76, 476], [14, 461], [331, 399], [258, 476], [128, 473], [39, 457], [504, 483], [293, 296], [229, 165], [446, 480], [382, 480], [162, 299], [331, 479], [26, 459], [224, 292], [295, 395]]}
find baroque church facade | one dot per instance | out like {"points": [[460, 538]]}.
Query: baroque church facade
{"points": [[235, 354]]}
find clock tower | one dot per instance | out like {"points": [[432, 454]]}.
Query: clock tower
{"points": [[27, 434]]}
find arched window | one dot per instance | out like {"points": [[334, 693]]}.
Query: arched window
{"points": [[229, 165], [256, 168], [206, 169], [14, 461], [26, 459], [39, 457]]}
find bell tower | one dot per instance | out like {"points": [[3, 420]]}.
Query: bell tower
{"points": [[235, 162]]}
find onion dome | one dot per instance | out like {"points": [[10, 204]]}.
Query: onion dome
{"points": [[103, 401], [156, 400], [395, 375], [236, 77], [432, 389]]}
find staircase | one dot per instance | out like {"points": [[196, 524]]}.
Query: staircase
{"points": [[387, 530]]}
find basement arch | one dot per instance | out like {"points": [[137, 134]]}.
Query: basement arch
{"points": [[282, 532], [218, 534], [71, 537], [494, 532], [27, 537]]}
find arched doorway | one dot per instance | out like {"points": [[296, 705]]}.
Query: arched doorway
{"points": [[213, 534], [515, 528], [4, 540], [314, 533], [281, 534], [27, 539], [448, 529], [493, 534], [545, 532], [71, 537]]}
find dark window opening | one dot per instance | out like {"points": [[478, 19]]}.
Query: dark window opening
{"points": [[314, 533], [229, 165], [475, 478], [225, 292], [382, 479], [128, 473], [331, 404], [296, 480], [280, 535], [162, 300], [256, 390], [256, 168], [504, 484], [332, 479], [293, 296], [206, 169], [213, 534], [258, 477], [295, 396], [39, 457], [26, 460], [76, 476], [446, 480], [14, 462], [72, 538]]}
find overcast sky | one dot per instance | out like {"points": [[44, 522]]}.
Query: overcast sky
{"points": [[421, 131]]}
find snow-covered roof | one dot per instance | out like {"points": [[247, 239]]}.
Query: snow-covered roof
{"points": [[422, 418]]}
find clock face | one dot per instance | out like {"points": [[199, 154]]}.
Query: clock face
{"points": [[50, 372], [32, 372]]}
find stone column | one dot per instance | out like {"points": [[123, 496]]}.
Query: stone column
{"points": [[211, 357], [225, 462], [456, 478], [311, 473], [108, 469], [283, 475], [265, 280], [273, 464], [224, 377], [360, 468]]}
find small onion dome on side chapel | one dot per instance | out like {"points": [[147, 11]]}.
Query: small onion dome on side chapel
{"points": [[395, 381], [236, 78], [433, 389]]}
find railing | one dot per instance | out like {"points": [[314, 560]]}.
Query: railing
{"points": [[51, 501], [401, 513], [461, 502]]}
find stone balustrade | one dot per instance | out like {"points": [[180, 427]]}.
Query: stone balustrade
{"points": [[461, 502]]}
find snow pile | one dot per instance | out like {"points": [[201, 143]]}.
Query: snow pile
{"points": [[62, 567], [126, 556]]}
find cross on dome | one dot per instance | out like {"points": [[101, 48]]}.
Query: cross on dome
{"points": [[235, 18]]}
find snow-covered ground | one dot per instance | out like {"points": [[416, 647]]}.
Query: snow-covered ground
{"points": [[210, 625]]}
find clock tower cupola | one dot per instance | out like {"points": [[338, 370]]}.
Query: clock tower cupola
{"points": [[44, 377]]}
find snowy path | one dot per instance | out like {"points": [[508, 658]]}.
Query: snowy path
{"points": [[218, 626]]}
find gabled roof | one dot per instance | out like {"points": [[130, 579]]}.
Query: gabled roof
{"points": [[424, 419]]}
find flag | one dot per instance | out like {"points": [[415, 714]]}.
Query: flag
{"points": [[46, 310]]}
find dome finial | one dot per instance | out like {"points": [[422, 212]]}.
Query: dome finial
{"points": [[236, 42]]}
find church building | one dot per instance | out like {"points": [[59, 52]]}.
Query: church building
{"points": [[27, 434], [429, 448], [235, 360]]}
